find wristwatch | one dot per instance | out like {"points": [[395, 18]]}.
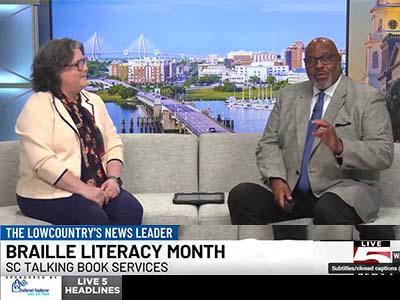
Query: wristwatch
{"points": [[117, 179]]}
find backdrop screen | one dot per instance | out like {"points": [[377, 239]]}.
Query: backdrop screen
{"points": [[374, 43], [224, 58]]}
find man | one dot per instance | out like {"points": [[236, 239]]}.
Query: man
{"points": [[321, 151]]}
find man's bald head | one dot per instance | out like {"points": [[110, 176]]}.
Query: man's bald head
{"points": [[322, 42], [323, 63]]}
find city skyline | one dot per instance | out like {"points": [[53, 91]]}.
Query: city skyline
{"points": [[201, 27]]}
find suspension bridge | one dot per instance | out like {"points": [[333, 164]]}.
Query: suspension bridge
{"points": [[97, 48]]}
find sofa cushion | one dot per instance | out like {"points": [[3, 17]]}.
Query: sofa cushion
{"points": [[330, 232], [159, 209], [387, 215], [214, 214], [259, 232], [226, 160], [208, 232], [11, 215], [315, 232], [301, 221], [9, 160], [160, 163]]}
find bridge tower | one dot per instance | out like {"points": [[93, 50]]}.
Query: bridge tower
{"points": [[143, 49], [157, 108], [94, 47]]}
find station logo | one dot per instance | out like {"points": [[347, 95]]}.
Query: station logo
{"points": [[372, 252]]}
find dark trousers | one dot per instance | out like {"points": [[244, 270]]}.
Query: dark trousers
{"points": [[252, 204], [76, 210]]}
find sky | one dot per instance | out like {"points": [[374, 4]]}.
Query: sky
{"points": [[201, 27]]}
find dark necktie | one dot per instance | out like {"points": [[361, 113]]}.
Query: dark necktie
{"points": [[304, 181]]}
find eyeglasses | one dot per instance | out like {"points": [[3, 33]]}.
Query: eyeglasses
{"points": [[325, 59], [79, 64]]}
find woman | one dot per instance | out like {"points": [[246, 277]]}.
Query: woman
{"points": [[71, 156]]}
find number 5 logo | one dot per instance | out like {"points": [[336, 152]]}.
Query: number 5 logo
{"points": [[371, 255]]}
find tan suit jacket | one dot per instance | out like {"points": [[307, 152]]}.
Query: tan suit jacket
{"points": [[367, 144], [49, 143]]}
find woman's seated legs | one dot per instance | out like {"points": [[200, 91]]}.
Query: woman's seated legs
{"points": [[73, 210], [124, 210]]}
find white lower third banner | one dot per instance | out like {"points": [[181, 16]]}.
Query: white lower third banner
{"points": [[180, 257], [100, 251]]}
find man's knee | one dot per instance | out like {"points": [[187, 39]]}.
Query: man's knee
{"points": [[330, 209], [238, 194]]}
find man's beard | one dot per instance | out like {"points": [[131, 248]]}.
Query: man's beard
{"points": [[329, 81]]}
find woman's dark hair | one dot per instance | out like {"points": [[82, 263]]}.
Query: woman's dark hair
{"points": [[50, 61]]}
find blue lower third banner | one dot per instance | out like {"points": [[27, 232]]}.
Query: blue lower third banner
{"points": [[88, 232]]}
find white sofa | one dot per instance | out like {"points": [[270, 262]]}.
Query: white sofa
{"points": [[158, 165]]}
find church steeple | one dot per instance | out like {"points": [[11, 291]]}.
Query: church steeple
{"points": [[385, 19]]}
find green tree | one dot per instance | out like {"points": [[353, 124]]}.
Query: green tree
{"points": [[148, 88], [122, 91], [280, 84], [113, 90], [193, 75], [227, 87], [97, 69], [271, 80], [209, 79], [114, 77], [254, 79], [126, 92], [172, 91], [180, 90], [167, 91]]}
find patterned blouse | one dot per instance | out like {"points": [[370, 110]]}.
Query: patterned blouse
{"points": [[91, 139]]}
